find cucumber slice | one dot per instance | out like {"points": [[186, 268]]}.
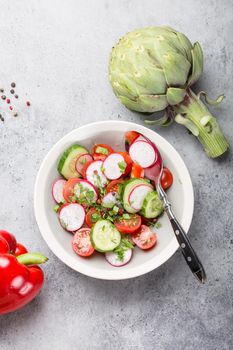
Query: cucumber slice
{"points": [[152, 206], [67, 162], [104, 236], [128, 187]]}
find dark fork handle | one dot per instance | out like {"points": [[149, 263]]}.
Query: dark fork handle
{"points": [[188, 252]]}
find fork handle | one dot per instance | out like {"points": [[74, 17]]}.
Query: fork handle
{"points": [[188, 252]]}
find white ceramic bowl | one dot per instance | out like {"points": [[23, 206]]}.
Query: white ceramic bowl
{"points": [[59, 241]]}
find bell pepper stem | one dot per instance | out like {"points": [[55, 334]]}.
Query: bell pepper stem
{"points": [[31, 259], [192, 113]]}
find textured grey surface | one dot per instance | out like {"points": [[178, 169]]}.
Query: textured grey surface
{"points": [[57, 52]]}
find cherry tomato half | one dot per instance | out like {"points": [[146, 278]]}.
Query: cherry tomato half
{"points": [[81, 242], [92, 216], [166, 179], [130, 225], [20, 249], [144, 238], [137, 171], [115, 186], [68, 189], [101, 151]]}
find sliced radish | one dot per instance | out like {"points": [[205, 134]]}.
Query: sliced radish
{"points": [[83, 186], [94, 174], [72, 216], [138, 194], [153, 172], [143, 153], [113, 258], [114, 166], [142, 138], [82, 161], [57, 190], [109, 200]]}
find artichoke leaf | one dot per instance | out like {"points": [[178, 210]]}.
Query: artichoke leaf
{"points": [[176, 68], [164, 120], [187, 123], [153, 103], [210, 101], [185, 44], [175, 95], [131, 104], [197, 63]]}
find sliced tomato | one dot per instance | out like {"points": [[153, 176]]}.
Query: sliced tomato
{"points": [[166, 179], [20, 249], [81, 242], [137, 171], [92, 216], [128, 161], [69, 189], [128, 225], [115, 186], [101, 151], [131, 136], [144, 238]]}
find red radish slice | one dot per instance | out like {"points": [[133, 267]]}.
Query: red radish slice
{"points": [[137, 196], [143, 153], [109, 200], [153, 172], [114, 166], [72, 216], [142, 138], [82, 161], [95, 175], [113, 258], [84, 185], [57, 190]]}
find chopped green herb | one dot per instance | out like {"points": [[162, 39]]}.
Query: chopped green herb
{"points": [[126, 216], [95, 217], [56, 208], [103, 227], [102, 150], [120, 255], [123, 247], [102, 169], [127, 243], [115, 210], [73, 199], [122, 165], [110, 218], [105, 215]]}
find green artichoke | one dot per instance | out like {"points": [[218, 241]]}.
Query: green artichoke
{"points": [[152, 69]]}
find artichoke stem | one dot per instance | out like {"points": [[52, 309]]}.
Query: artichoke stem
{"points": [[208, 130]]}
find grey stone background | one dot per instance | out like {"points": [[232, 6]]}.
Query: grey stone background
{"points": [[57, 53]]}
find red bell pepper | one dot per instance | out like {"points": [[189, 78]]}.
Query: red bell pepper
{"points": [[20, 279]]}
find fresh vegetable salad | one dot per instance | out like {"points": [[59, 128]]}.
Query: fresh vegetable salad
{"points": [[107, 199]]}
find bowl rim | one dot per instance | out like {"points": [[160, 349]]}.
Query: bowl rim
{"points": [[132, 272]]}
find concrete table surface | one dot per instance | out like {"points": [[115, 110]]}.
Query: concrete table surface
{"points": [[57, 53]]}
